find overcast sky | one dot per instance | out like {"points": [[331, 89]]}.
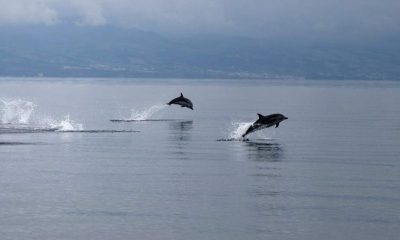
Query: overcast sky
{"points": [[255, 18]]}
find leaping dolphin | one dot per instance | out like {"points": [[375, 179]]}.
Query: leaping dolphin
{"points": [[265, 122], [182, 101]]}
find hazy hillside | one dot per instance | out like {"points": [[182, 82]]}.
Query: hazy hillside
{"points": [[72, 51]]}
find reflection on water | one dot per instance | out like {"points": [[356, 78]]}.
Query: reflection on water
{"points": [[173, 180], [265, 182], [180, 137], [181, 125], [264, 151], [180, 130]]}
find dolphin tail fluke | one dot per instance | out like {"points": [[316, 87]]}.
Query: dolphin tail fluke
{"points": [[248, 131]]}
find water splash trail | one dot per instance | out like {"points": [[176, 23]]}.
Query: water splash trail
{"points": [[16, 117], [237, 130], [145, 114], [16, 111], [64, 125]]}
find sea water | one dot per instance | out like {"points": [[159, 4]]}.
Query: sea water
{"points": [[331, 171]]}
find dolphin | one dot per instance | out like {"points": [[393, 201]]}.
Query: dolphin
{"points": [[182, 101], [265, 122]]}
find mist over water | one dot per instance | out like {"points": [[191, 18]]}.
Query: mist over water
{"points": [[330, 171]]}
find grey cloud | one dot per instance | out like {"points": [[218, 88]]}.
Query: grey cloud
{"points": [[26, 12], [266, 18], [90, 12]]}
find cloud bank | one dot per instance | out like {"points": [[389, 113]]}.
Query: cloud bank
{"points": [[255, 18]]}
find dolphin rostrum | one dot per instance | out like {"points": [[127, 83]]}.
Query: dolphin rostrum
{"points": [[182, 101], [265, 122]]}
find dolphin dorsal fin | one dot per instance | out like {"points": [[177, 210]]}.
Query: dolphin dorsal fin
{"points": [[181, 95], [259, 115]]}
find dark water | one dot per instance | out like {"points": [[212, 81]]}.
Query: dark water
{"points": [[331, 171]]}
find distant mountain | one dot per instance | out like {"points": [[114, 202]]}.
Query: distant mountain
{"points": [[73, 51]]}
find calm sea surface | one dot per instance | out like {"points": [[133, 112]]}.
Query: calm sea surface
{"points": [[331, 171]]}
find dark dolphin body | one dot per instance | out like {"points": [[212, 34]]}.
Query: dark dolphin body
{"points": [[182, 101], [265, 122]]}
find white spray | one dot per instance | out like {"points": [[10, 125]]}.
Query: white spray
{"points": [[239, 128], [16, 111], [65, 124], [147, 113], [20, 112]]}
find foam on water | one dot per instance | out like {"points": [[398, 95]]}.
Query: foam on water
{"points": [[16, 111], [146, 113]]}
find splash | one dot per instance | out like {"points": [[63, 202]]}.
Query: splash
{"points": [[64, 125], [16, 116], [16, 111], [147, 113], [238, 129]]}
